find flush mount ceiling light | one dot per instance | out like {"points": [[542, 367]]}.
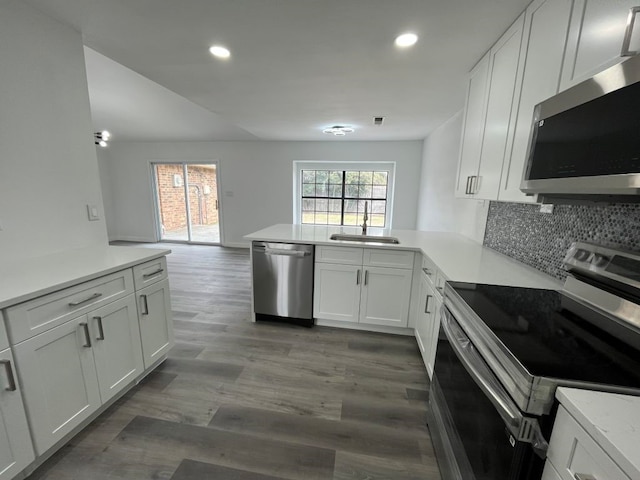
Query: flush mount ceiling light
{"points": [[338, 130], [220, 51], [101, 138], [406, 40]]}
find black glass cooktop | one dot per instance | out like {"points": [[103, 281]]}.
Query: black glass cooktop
{"points": [[553, 336]]}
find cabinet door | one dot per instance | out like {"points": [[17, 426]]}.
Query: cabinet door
{"points": [[546, 25], [422, 321], [156, 324], [503, 70], [336, 294], [16, 450], [385, 297], [473, 128], [595, 38], [116, 346], [58, 376]]}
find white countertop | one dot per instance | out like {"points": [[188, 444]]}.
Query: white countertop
{"points": [[31, 278], [459, 258], [612, 420]]}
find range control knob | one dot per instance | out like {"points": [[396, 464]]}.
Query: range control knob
{"points": [[599, 260], [582, 255]]}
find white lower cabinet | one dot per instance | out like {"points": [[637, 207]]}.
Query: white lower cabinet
{"points": [[156, 326], [116, 346], [574, 454], [428, 323], [364, 293], [337, 292], [59, 380], [16, 450]]}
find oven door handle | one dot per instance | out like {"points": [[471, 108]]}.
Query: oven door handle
{"points": [[474, 364], [523, 428]]}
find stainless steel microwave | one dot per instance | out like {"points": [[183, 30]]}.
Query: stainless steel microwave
{"points": [[585, 141]]}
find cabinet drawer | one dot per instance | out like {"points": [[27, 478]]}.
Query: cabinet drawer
{"points": [[342, 255], [388, 258], [572, 451], [43, 313], [4, 341], [429, 269], [150, 272]]}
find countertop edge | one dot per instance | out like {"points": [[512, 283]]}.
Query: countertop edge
{"points": [[66, 281], [600, 414]]}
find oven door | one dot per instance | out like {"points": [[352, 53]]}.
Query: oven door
{"points": [[478, 431]]}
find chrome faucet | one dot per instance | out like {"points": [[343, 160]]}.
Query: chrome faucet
{"points": [[364, 225]]}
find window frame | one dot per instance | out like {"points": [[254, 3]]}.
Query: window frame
{"points": [[300, 165]]}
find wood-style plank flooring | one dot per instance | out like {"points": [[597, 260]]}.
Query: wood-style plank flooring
{"points": [[238, 400]]}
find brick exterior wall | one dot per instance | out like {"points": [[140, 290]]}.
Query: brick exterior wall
{"points": [[202, 195]]}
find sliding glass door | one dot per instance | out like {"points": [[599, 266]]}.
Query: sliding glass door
{"points": [[187, 202]]}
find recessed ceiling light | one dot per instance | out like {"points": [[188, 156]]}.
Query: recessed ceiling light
{"points": [[220, 51], [338, 130], [406, 40]]}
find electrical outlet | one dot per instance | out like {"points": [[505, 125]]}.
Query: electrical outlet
{"points": [[546, 208], [92, 211]]}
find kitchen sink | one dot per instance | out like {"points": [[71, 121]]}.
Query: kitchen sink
{"points": [[364, 238]]}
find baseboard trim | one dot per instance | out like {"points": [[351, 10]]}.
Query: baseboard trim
{"points": [[366, 327]]}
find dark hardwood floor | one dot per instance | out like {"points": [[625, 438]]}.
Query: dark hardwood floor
{"points": [[238, 400]]}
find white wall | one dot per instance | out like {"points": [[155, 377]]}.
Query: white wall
{"points": [[438, 208], [256, 180], [48, 166]]}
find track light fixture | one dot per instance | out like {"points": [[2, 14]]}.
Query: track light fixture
{"points": [[101, 138]]}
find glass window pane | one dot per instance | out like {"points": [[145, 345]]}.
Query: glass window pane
{"points": [[380, 178], [334, 219], [364, 191], [308, 190], [322, 205], [308, 176], [377, 206], [322, 176], [376, 220], [335, 177], [366, 177], [308, 204], [321, 218], [335, 191], [351, 219], [335, 206], [321, 190], [351, 191], [352, 177], [307, 217], [379, 192], [350, 206]]}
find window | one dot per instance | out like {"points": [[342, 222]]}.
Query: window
{"points": [[337, 196]]}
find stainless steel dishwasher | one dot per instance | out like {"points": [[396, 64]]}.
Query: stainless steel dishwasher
{"points": [[283, 281]]}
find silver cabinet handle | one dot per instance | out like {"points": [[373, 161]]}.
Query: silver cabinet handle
{"points": [[583, 476], [631, 20], [100, 328], [426, 304], [473, 186], [366, 277], [10, 378], [427, 271], [467, 189], [88, 299], [87, 335], [153, 274], [145, 304], [358, 277]]}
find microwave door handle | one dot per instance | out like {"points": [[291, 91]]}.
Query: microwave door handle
{"points": [[484, 378], [626, 42]]}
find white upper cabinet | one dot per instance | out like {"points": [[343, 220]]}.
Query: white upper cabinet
{"points": [[595, 38], [503, 72], [488, 117], [473, 128], [545, 31]]}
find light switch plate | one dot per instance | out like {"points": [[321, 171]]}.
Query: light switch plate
{"points": [[92, 211]]}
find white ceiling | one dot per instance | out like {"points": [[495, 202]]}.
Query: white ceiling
{"points": [[297, 66]]}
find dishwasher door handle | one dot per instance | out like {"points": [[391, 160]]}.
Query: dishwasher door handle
{"points": [[287, 253]]}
